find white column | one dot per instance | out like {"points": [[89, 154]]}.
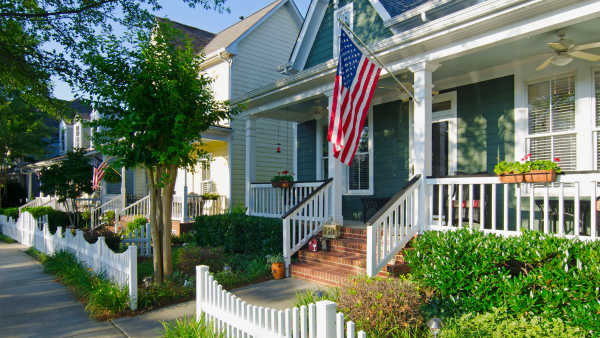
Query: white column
{"points": [[336, 171], [230, 165], [123, 189], [250, 158], [422, 132], [184, 206]]}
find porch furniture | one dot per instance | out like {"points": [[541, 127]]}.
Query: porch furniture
{"points": [[465, 201], [372, 203], [569, 209]]}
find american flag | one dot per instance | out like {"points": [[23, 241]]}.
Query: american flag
{"points": [[355, 82], [99, 166]]}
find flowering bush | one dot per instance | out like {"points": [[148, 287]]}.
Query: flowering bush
{"points": [[519, 168], [283, 176]]}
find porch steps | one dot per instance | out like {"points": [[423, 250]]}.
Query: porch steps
{"points": [[346, 258]]}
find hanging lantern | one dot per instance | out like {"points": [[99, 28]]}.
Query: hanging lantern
{"points": [[278, 148], [332, 229]]}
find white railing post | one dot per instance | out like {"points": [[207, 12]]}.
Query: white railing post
{"points": [[371, 247], [286, 245], [326, 310], [184, 206], [132, 261], [116, 220], [201, 271]]}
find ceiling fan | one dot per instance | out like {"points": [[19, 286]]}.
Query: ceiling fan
{"points": [[317, 111], [402, 94], [564, 50]]}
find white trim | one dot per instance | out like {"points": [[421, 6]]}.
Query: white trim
{"points": [[383, 13], [371, 189], [307, 35], [337, 32], [295, 13]]}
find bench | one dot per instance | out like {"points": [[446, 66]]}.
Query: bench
{"points": [[372, 203]]}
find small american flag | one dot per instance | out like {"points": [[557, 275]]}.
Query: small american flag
{"points": [[99, 166], [355, 83]]}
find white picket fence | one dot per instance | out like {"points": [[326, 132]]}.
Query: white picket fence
{"points": [[140, 238], [238, 319], [121, 267]]}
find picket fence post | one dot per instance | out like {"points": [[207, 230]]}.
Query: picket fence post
{"points": [[132, 270], [326, 310], [201, 272]]}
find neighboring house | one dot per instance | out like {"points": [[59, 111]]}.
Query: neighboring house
{"points": [[470, 64]]}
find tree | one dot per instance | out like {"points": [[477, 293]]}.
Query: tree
{"points": [[73, 28], [155, 102], [69, 180], [23, 135]]}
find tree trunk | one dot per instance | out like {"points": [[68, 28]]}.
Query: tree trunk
{"points": [[71, 220], [167, 197], [155, 228]]}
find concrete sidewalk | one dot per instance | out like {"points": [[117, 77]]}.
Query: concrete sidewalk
{"points": [[274, 294], [32, 304]]}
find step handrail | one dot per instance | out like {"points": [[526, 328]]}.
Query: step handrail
{"points": [[101, 208], [305, 220], [392, 227]]}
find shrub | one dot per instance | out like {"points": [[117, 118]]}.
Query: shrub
{"points": [[246, 270], [14, 195], [163, 294], [310, 296], [112, 240], [533, 274], [182, 328], [183, 238], [498, 323], [383, 306], [239, 233], [136, 224], [38, 212], [10, 212], [189, 258]]}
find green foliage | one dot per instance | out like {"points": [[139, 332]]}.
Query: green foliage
{"points": [[275, 258], [158, 295], [70, 178], [238, 209], [86, 216], [38, 256], [108, 217], [10, 212], [6, 239], [498, 323], [310, 296], [14, 194], [112, 174], [112, 240], [383, 306], [533, 274], [517, 167], [189, 258], [104, 299], [183, 238], [211, 196], [283, 176], [246, 270], [239, 233], [136, 223], [38, 212], [190, 328], [55, 218]]}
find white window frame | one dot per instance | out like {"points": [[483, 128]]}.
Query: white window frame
{"points": [[595, 128], [575, 131], [77, 133], [337, 31], [345, 172], [63, 139]]}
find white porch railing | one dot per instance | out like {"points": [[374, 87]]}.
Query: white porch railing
{"points": [[197, 206], [305, 220], [568, 208], [268, 201], [390, 229], [37, 202], [177, 208], [114, 204], [230, 314], [140, 208]]}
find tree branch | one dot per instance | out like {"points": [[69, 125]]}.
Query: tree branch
{"points": [[46, 14]]}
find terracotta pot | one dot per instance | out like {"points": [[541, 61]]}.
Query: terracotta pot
{"points": [[278, 270], [511, 178], [276, 184], [286, 184], [540, 176]]}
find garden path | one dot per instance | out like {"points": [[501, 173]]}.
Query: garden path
{"points": [[33, 304]]}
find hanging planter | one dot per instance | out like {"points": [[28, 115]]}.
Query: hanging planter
{"points": [[540, 176], [282, 180], [539, 171]]}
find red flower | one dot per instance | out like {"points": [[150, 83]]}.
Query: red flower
{"points": [[529, 155], [286, 172], [557, 159], [523, 159], [278, 173]]}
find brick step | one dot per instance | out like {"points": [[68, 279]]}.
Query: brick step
{"points": [[354, 233], [319, 274], [348, 246], [395, 270], [351, 263]]}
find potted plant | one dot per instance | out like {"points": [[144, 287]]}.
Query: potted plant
{"points": [[540, 171], [210, 196], [283, 179], [277, 266], [509, 172]]}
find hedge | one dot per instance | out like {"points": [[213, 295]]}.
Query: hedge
{"points": [[239, 233], [531, 274], [55, 218]]}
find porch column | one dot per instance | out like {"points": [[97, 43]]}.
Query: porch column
{"points": [[422, 133], [250, 159], [184, 206], [336, 171], [123, 189]]}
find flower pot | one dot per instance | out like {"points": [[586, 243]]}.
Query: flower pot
{"points": [[286, 184], [540, 176], [511, 178], [278, 270], [276, 184]]}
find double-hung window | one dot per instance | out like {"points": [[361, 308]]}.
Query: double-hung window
{"points": [[551, 121]]}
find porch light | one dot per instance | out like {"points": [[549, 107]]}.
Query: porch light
{"points": [[435, 326]]}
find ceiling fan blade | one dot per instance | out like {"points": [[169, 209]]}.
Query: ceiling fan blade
{"points": [[532, 56], [543, 65], [585, 56], [556, 45], [587, 46]]}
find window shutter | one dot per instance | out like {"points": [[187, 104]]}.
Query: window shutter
{"points": [[552, 111]]}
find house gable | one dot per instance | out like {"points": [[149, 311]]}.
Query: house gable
{"points": [[368, 25]]}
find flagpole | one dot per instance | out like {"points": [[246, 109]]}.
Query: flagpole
{"points": [[381, 63]]}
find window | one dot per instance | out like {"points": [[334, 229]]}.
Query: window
{"points": [[358, 172], [206, 176], [77, 141], [344, 13], [551, 121], [63, 137]]}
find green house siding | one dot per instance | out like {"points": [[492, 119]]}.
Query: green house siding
{"points": [[390, 150], [307, 151], [367, 25]]}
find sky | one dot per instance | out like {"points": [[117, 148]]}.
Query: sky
{"points": [[207, 20]]}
